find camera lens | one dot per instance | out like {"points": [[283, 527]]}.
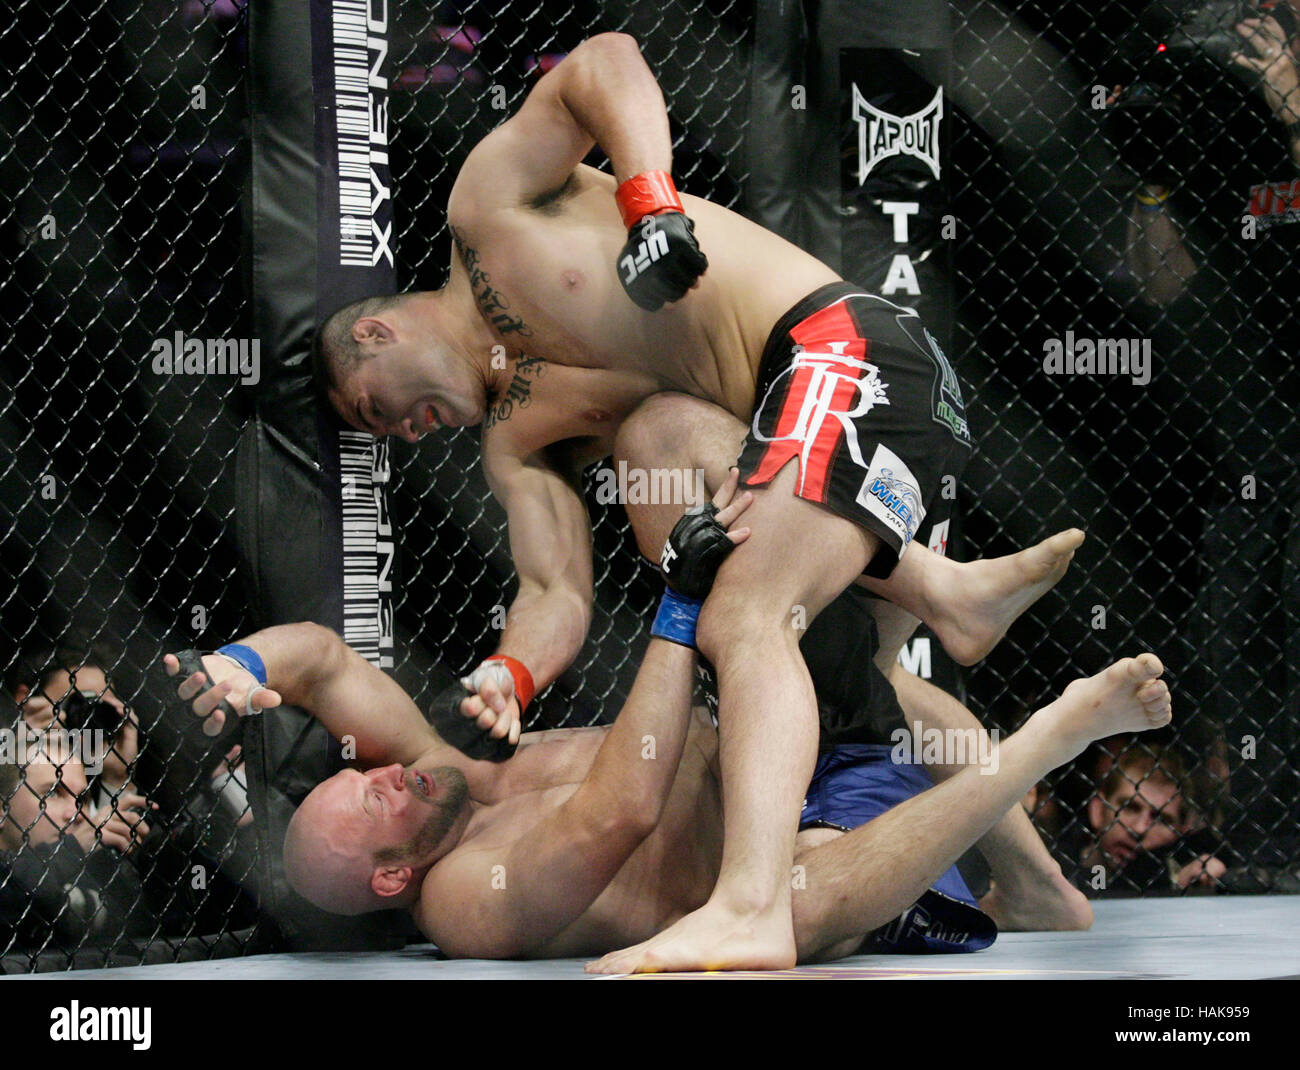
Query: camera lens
{"points": [[85, 709]]}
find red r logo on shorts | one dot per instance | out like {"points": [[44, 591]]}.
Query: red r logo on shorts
{"points": [[826, 390]]}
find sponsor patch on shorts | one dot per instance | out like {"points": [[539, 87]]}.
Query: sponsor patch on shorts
{"points": [[892, 494], [949, 409]]}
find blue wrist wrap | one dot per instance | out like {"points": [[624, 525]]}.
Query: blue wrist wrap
{"points": [[249, 658], [676, 618]]}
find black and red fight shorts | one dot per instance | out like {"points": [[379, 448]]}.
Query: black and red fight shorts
{"points": [[858, 392]]}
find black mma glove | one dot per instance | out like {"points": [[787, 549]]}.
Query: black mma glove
{"points": [[463, 732], [661, 259], [694, 551]]}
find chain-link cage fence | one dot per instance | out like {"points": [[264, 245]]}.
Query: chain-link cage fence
{"points": [[121, 165], [1119, 184], [1126, 183]]}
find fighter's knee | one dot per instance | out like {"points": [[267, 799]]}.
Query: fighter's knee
{"points": [[730, 618], [715, 626], [654, 428]]}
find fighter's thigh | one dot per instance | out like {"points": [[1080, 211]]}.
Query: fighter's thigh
{"points": [[805, 903], [798, 554], [684, 436]]}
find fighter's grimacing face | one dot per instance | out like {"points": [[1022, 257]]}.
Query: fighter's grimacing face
{"points": [[409, 389], [403, 811]]}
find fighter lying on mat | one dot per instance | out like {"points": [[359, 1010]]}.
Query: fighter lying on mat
{"points": [[533, 337], [591, 838]]}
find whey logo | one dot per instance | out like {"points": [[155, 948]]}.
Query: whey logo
{"points": [[654, 244], [891, 493], [882, 135]]}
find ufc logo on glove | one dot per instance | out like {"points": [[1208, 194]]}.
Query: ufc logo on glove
{"points": [[654, 244]]}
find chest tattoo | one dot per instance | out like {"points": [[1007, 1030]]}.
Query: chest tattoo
{"points": [[491, 302], [518, 393]]}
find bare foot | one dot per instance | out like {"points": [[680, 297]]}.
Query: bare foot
{"points": [[1040, 904], [1129, 696], [710, 938], [980, 600]]}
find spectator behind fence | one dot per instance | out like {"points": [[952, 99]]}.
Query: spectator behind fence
{"points": [[1144, 835], [1213, 231], [91, 868], [59, 863], [68, 684]]}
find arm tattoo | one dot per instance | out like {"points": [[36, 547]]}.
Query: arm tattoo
{"points": [[493, 305], [519, 392]]}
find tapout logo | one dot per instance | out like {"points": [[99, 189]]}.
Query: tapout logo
{"points": [[882, 135]]}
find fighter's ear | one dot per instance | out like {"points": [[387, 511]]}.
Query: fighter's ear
{"points": [[389, 881], [374, 330], [1097, 813]]}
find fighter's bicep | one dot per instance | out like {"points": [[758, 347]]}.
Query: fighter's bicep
{"points": [[531, 154]]}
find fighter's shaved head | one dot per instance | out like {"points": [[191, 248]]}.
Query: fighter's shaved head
{"points": [[334, 351], [363, 841], [327, 871]]}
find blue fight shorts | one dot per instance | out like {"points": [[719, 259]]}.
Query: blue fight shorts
{"points": [[857, 782]]}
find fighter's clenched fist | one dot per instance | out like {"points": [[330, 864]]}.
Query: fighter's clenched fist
{"points": [[661, 260], [481, 716]]}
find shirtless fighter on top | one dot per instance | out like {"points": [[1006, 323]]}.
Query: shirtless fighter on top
{"points": [[535, 337]]}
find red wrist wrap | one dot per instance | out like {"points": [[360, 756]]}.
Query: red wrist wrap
{"points": [[647, 194], [524, 686]]}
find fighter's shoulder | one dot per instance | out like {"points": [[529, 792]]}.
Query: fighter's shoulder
{"points": [[447, 911]]}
